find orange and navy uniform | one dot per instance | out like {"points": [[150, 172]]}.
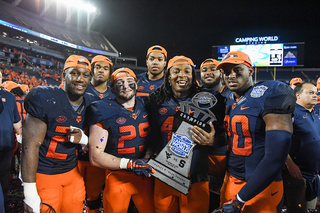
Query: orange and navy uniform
{"points": [[146, 86], [57, 175], [107, 94], [20, 106], [128, 132], [247, 172], [161, 119], [93, 176]]}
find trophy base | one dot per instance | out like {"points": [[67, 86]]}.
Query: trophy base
{"points": [[170, 177]]}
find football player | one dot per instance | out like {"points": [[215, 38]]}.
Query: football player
{"points": [[52, 132], [117, 142], [180, 85], [211, 80], [156, 62], [259, 128], [101, 69]]}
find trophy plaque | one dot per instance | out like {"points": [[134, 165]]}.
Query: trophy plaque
{"points": [[173, 163]]}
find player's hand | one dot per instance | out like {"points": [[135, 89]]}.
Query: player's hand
{"points": [[32, 201], [294, 170], [202, 137], [140, 168], [233, 206], [77, 136]]}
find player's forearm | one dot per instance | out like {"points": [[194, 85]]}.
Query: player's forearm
{"points": [[29, 163], [103, 160], [276, 151]]}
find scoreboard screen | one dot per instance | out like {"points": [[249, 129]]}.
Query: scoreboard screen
{"points": [[265, 55]]}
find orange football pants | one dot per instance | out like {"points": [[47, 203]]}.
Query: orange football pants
{"points": [[266, 201], [169, 200], [93, 181], [217, 165], [120, 186], [64, 192]]}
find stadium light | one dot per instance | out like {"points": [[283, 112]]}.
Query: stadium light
{"points": [[79, 4]]}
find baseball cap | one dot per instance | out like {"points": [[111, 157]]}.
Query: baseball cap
{"points": [[296, 81], [9, 85], [115, 75], [179, 60], [24, 87], [235, 57], [209, 61], [76, 61], [157, 48], [318, 83], [101, 58]]}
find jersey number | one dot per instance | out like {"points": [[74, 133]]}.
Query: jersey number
{"points": [[243, 120], [54, 142], [167, 127], [143, 129]]}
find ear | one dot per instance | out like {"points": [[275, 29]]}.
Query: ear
{"points": [[63, 75], [165, 63], [251, 71]]}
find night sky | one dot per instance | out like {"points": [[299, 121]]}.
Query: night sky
{"points": [[191, 28]]}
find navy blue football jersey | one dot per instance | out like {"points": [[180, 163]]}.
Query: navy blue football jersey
{"points": [[161, 122], [107, 94], [128, 130], [146, 86], [8, 117], [50, 104], [246, 127]]}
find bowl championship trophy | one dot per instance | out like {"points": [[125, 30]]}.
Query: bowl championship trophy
{"points": [[173, 163]]}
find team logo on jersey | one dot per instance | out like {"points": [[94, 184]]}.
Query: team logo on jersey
{"points": [[180, 145], [100, 96], [134, 116], [61, 119], [258, 91], [151, 87], [163, 111], [3, 99], [140, 88], [121, 120], [79, 118]]}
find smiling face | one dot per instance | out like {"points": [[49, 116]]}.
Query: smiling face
{"points": [[101, 73], [76, 81], [180, 79], [237, 77], [124, 88]]}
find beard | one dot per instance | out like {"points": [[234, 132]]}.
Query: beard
{"points": [[211, 84]]}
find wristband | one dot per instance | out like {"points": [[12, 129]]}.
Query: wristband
{"points": [[238, 198], [84, 139], [31, 197], [124, 163]]}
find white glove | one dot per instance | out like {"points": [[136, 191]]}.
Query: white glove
{"points": [[31, 197], [19, 138], [84, 139]]}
